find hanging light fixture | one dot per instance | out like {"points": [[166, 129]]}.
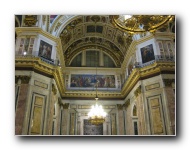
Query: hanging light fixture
{"points": [[140, 23], [96, 115]]}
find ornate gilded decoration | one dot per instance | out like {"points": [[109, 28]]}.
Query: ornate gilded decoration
{"points": [[168, 82], [66, 106], [30, 20], [140, 23], [137, 91], [54, 90], [57, 26]]}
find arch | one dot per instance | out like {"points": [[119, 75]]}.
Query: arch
{"points": [[69, 56], [134, 111]]}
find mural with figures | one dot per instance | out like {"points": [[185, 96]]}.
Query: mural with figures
{"points": [[45, 50], [147, 53], [88, 81]]}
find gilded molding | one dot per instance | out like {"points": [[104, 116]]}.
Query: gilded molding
{"points": [[137, 91], [66, 106], [54, 90], [24, 79], [168, 82]]}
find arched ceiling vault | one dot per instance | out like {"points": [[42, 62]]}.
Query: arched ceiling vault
{"points": [[79, 32]]}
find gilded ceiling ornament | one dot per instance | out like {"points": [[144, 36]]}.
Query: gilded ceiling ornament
{"points": [[140, 23], [57, 26], [30, 20]]}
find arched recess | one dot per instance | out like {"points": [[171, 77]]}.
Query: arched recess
{"points": [[78, 58], [134, 111], [69, 56]]}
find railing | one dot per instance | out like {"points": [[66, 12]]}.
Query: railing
{"points": [[158, 58], [54, 62]]}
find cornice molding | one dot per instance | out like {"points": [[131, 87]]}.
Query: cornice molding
{"points": [[35, 31], [145, 72], [137, 74], [35, 63]]}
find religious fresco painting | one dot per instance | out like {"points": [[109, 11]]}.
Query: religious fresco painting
{"points": [[147, 53], [45, 50], [89, 81]]}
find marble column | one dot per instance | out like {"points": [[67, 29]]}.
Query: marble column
{"points": [[21, 103], [170, 99], [65, 119], [120, 119]]}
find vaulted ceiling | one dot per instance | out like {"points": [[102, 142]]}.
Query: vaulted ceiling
{"points": [[93, 32]]}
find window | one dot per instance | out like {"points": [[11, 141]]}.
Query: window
{"points": [[77, 61], [92, 58], [135, 128], [108, 62]]}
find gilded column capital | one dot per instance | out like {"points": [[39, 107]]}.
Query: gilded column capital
{"points": [[137, 91], [127, 103], [24, 79], [119, 106], [66, 106], [168, 82], [54, 90]]}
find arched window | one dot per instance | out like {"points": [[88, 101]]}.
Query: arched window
{"points": [[108, 62], [77, 61], [92, 58]]}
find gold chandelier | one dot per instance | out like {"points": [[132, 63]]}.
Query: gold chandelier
{"points": [[96, 115], [140, 23]]}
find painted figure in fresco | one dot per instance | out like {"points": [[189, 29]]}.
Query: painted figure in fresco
{"points": [[86, 81]]}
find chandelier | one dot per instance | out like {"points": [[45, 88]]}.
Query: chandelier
{"points": [[96, 115], [140, 23]]}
